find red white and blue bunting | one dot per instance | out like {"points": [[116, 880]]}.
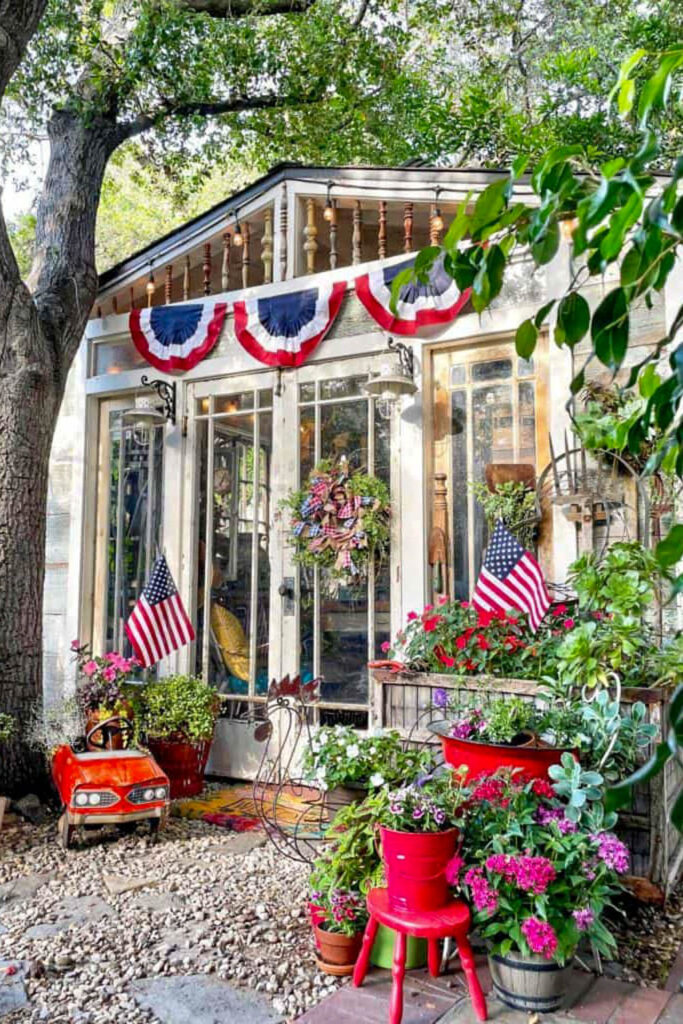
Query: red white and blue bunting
{"points": [[283, 330], [419, 305], [177, 337]]}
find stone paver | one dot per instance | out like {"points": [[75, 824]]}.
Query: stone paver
{"points": [[23, 888], [673, 1013], [644, 1006], [12, 991], [601, 1001], [118, 884], [78, 911], [201, 1000]]}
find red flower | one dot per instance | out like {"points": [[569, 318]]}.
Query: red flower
{"points": [[429, 607], [483, 643], [484, 619], [489, 789], [598, 615], [461, 642], [541, 787], [412, 616], [470, 666], [464, 604], [444, 658], [429, 625], [569, 623], [512, 620], [559, 609]]}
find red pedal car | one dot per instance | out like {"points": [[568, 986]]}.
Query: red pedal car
{"points": [[109, 787]]}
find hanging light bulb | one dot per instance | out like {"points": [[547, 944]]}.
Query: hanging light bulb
{"points": [[437, 219], [150, 288], [238, 237], [329, 211]]}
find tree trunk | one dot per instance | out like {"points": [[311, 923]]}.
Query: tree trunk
{"points": [[39, 337]]}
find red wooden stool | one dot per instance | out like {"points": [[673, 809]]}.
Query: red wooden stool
{"points": [[451, 921]]}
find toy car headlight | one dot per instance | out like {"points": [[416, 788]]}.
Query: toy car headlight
{"points": [[94, 799], [160, 793], [148, 794], [81, 799]]}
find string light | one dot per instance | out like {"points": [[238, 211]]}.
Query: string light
{"points": [[238, 237], [437, 219], [150, 289], [329, 211]]}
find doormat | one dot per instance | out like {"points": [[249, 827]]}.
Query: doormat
{"points": [[234, 808]]}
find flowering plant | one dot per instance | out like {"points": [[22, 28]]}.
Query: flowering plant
{"points": [[343, 910], [100, 689], [433, 803], [537, 880], [338, 756]]}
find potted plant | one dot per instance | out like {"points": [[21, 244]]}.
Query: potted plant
{"points": [[539, 874], [350, 860], [339, 924], [100, 696], [178, 717], [486, 733], [346, 766], [6, 731], [418, 826]]}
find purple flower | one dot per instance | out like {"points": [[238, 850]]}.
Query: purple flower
{"points": [[439, 816], [584, 918], [418, 813], [612, 851], [440, 698], [396, 808]]}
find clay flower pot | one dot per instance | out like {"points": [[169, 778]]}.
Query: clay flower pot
{"points": [[336, 950]]}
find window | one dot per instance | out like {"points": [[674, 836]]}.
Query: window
{"points": [[340, 632], [233, 579]]}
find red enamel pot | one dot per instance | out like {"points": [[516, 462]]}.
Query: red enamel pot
{"points": [[532, 758], [415, 865]]}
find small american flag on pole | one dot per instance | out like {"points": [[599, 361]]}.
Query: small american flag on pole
{"points": [[158, 623], [511, 578]]}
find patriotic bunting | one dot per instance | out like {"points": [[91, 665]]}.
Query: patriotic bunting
{"points": [[283, 330], [177, 337], [419, 305]]}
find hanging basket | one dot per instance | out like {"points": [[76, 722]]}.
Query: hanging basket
{"points": [[184, 762]]}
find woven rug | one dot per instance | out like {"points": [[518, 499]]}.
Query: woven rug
{"points": [[234, 808]]}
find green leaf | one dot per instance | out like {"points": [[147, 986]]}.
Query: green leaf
{"points": [[626, 96], [609, 329], [621, 221], [403, 278], [519, 165], [648, 381], [573, 318], [495, 266], [481, 289], [458, 226], [490, 204], [620, 795], [525, 339], [543, 312], [670, 550]]}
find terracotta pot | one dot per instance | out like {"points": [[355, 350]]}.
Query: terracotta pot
{"points": [[184, 763], [531, 755], [530, 983], [336, 949], [415, 864]]}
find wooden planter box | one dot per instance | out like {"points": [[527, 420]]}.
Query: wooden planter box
{"points": [[403, 701]]}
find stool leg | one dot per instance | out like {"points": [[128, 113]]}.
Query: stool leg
{"points": [[398, 971], [470, 970], [361, 968], [434, 958]]}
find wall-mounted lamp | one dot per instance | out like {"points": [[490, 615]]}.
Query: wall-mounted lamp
{"points": [[154, 415], [393, 381]]}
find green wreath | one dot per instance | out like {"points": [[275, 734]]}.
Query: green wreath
{"points": [[340, 522]]}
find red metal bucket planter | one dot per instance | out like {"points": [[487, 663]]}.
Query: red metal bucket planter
{"points": [[486, 758], [415, 864], [184, 763]]}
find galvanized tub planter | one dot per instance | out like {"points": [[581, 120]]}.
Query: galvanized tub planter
{"points": [[529, 983], [403, 701]]}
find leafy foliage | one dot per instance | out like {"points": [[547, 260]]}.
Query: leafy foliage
{"points": [[6, 726], [338, 756], [512, 502], [178, 707]]}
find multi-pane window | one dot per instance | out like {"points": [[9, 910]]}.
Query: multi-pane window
{"points": [[235, 436], [341, 630]]}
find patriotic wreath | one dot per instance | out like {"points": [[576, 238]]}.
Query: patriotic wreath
{"points": [[340, 523]]}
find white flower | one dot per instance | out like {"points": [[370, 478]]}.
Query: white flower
{"points": [[373, 750], [353, 750], [377, 779]]}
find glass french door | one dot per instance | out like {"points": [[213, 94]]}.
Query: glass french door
{"points": [[488, 406]]}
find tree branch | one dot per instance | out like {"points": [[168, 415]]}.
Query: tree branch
{"points": [[242, 8], [237, 104]]}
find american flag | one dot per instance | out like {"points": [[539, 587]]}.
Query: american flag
{"points": [[511, 578], [158, 623]]}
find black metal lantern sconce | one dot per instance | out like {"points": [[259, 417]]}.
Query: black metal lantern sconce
{"points": [[166, 391]]}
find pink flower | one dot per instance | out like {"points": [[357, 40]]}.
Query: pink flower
{"points": [[386, 647], [584, 918], [484, 896], [412, 616], [444, 599], [534, 874], [503, 865], [453, 869], [429, 608], [541, 787], [75, 644], [540, 936], [464, 604], [430, 624], [90, 668], [612, 851], [110, 674], [559, 609], [569, 623]]}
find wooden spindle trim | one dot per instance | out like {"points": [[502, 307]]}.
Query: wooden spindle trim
{"points": [[206, 268], [225, 262], [434, 233], [408, 227], [168, 284], [267, 246], [310, 235], [283, 233], [357, 235], [382, 230], [333, 234], [98, 312], [114, 304], [246, 258], [186, 279]]}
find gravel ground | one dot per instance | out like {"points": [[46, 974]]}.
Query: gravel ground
{"points": [[649, 938], [197, 904]]}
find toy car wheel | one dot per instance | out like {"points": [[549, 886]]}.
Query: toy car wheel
{"points": [[154, 828], [65, 831]]}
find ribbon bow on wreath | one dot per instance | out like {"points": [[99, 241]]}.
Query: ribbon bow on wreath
{"points": [[340, 522]]}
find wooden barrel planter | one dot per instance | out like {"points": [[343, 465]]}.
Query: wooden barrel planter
{"points": [[529, 983], [403, 700], [184, 762]]}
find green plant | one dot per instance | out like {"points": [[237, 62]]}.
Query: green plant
{"points": [[338, 756], [575, 785], [6, 726], [178, 707], [433, 803], [512, 502], [613, 741], [100, 688], [625, 580], [349, 858]]}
